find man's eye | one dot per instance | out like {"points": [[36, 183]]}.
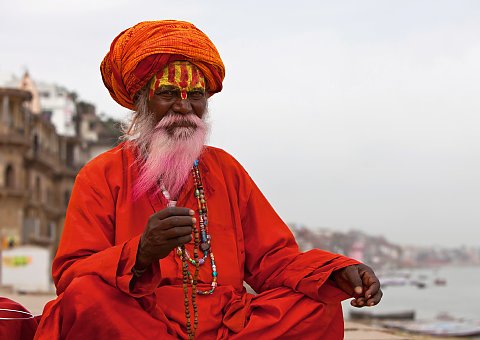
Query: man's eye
{"points": [[196, 94], [167, 94]]}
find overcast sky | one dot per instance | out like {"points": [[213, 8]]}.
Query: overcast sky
{"points": [[347, 114]]}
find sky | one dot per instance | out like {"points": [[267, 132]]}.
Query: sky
{"points": [[347, 114]]}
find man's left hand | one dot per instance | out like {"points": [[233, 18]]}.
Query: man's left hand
{"points": [[360, 282]]}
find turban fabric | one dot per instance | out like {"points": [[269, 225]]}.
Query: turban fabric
{"points": [[138, 53]]}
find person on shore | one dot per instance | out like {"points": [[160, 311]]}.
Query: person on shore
{"points": [[162, 231]]}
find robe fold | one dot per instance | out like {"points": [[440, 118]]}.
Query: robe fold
{"points": [[92, 268], [16, 322]]}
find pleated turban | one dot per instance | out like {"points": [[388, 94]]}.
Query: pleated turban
{"points": [[139, 52]]}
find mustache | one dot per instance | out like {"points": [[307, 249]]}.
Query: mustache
{"points": [[173, 121]]}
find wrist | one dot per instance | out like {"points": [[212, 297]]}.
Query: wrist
{"points": [[142, 261]]}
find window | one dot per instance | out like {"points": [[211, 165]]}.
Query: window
{"points": [[51, 231], [9, 177], [47, 115], [70, 154], [36, 144], [38, 189]]}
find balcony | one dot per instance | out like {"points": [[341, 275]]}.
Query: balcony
{"points": [[13, 192], [44, 159], [14, 139]]}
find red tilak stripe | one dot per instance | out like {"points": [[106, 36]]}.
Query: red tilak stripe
{"points": [[195, 76], [155, 86], [171, 73], [183, 76]]}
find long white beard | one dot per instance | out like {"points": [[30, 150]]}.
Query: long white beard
{"points": [[174, 144]]}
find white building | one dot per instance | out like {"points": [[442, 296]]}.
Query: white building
{"points": [[58, 104], [54, 102]]}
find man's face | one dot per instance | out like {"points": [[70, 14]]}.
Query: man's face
{"points": [[178, 90], [178, 101]]}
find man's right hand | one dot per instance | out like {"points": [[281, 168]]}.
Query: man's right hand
{"points": [[165, 230]]}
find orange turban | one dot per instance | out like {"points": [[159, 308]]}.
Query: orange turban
{"points": [[140, 52]]}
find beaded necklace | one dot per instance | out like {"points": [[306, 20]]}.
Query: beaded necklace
{"points": [[204, 245]]}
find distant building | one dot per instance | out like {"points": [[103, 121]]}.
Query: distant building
{"points": [[53, 102], [373, 250], [36, 175], [43, 144], [97, 135]]}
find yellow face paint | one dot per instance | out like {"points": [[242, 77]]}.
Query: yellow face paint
{"points": [[182, 75]]}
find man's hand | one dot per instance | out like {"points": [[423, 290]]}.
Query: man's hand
{"points": [[165, 230], [360, 282]]}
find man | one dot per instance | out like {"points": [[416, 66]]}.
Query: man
{"points": [[161, 231]]}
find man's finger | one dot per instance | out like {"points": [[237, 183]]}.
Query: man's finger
{"points": [[173, 211], [359, 302], [181, 240], [354, 279], [375, 299], [374, 287], [176, 232], [177, 221]]}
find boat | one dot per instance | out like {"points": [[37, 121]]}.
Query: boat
{"points": [[400, 281], [418, 284], [393, 281], [392, 315], [437, 327], [440, 282]]}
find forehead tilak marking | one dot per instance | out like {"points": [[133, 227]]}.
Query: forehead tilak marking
{"points": [[182, 74]]}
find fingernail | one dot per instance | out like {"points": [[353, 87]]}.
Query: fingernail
{"points": [[191, 212], [358, 290], [194, 220]]}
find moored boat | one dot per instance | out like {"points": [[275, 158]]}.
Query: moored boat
{"points": [[437, 327], [391, 315]]}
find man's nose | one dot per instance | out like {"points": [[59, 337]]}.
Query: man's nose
{"points": [[182, 106]]}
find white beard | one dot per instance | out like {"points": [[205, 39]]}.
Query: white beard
{"points": [[172, 147]]}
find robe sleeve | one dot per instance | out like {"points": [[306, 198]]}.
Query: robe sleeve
{"points": [[88, 244], [272, 257]]}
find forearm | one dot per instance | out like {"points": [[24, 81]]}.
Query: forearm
{"points": [[113, 264]]}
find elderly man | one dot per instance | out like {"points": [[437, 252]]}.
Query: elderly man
{"points": [[162, 231]]}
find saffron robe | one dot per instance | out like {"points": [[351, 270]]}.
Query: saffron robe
{"points": [[92, 268]]}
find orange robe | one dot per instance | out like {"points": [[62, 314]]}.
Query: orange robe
{"points": [[92, 268]]}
